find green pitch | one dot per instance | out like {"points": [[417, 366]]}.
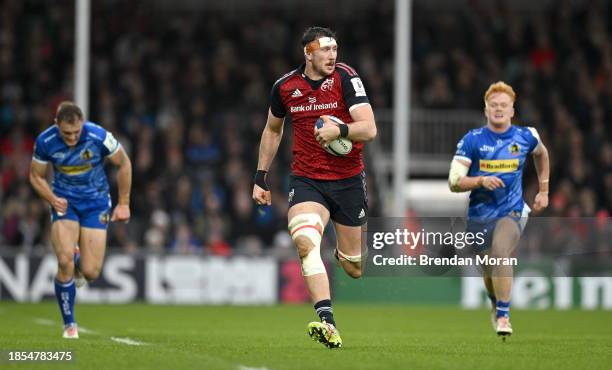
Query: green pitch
{"points": [[375, 337]]}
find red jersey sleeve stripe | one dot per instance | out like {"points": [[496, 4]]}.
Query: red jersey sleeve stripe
{"points": [[347, 68]]}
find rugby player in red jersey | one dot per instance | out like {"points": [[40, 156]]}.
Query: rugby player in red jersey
{"points": [[322, 186]]}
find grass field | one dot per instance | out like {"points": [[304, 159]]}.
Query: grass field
{"points": [[375, 337]]}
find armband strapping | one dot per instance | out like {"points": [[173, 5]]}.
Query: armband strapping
{"points": [[260, 179], [344, 130]]}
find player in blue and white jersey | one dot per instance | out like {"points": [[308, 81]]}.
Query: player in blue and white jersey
{"points": [[79, 198], [489, 162]]}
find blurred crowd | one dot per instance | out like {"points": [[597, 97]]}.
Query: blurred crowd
{"points": [[186, 94], [559, 61]]}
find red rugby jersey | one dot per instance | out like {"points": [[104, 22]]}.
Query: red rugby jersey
{"points": [[305, 101]]}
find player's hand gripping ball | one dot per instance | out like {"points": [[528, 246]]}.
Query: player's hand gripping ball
{"points": [[340, 146]]}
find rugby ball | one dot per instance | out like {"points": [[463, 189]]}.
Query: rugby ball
{"points": [[339, 147]]}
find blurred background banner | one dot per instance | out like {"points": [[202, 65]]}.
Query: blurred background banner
{"points": [[184, 86], [154, 279], [531, 290], [266, 281]]}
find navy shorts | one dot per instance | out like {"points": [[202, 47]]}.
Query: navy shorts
{"points": [[487, 227], [345, 199], [92, 213]]}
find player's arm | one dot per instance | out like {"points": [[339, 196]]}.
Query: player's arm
{"points": [[459, 181], [124, 182], [362, 129], [542, 165], [270, 140], [38, 179]]}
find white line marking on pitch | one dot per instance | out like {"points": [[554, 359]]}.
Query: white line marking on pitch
{"points": [[46, 322], [87, 331], [128, 341], [242, 367]]}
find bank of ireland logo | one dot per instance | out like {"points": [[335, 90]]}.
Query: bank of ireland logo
{"points": [[312, 99], [328, 84]]}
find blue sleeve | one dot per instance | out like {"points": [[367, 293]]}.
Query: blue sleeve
{"points": [[465, 148], [108, 144], [40, 151], [533, 138]]}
